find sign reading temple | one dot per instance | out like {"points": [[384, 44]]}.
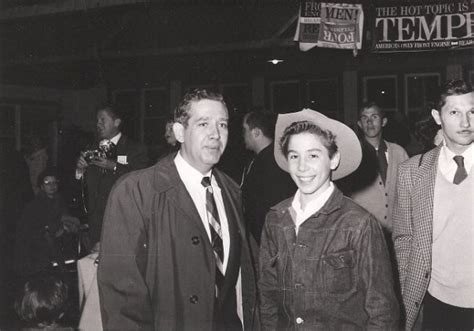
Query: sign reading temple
{"points": [[418, 26]]}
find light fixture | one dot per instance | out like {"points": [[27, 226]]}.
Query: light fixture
{"points": [[275, 61]]}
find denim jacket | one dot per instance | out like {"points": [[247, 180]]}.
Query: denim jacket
{"points": [[334, 275]]}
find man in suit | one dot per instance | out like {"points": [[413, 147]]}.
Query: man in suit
{"points": [[174, 253], [264, 184], [378, 195], [101, 172], [433, 221]]}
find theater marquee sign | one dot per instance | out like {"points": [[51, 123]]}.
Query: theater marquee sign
{"points": [[418, 26]]}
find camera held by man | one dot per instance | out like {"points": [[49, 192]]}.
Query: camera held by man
{"points": [[106, 150]]}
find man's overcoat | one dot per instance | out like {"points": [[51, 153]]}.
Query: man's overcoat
{"points": [[157, 268]]}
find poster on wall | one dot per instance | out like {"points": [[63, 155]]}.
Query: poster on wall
{"points": [[417, 26], [329, 25]]}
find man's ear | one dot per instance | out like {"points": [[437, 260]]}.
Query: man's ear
{"points": [[256, 132], [117, 122], [336, 158], [359, 124], [384, 121], [436, 116], [178, 130]]}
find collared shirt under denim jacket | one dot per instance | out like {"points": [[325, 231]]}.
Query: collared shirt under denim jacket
{"points": [[335, 275]]}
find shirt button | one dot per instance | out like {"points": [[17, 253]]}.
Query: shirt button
{"points": [[193, 299], [299, 320], [195, 240], [386, 206], [380, 183]]}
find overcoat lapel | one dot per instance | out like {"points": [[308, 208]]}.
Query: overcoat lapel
{"points": [[179, 196], [233, 214], [423, 197], [230, 198]]}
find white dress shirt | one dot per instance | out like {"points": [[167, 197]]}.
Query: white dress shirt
{"points": [[447, 166], [311, 208], [192, 180]]}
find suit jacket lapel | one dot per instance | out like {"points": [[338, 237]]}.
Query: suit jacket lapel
{"points": [[423, 196], [121, 144]]}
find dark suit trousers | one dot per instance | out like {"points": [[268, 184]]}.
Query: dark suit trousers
{"points": [[438, 315]]}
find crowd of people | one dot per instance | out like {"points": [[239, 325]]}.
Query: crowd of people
{"points": [[329, 229]]}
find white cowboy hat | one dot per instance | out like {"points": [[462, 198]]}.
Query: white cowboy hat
{"points": [[347, 142]]}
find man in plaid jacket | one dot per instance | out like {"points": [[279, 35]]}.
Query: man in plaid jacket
{"points": [[433, 221]]}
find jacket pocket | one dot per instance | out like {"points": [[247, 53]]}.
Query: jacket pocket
{"points": [[274, 260], [339, 272]]}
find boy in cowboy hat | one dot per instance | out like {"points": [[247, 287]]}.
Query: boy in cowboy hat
{"points": [[323, 259]]}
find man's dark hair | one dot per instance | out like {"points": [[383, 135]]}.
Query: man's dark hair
{"points": [[181, 113], [48, 172], [114, 109], [372, 104], [451, 87], [42, 300], [328, 139], [263, 120]]}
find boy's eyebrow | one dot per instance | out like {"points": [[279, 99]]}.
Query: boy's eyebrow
{"points": [[308, 150]]}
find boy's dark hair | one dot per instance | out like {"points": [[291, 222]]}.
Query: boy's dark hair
{"points": [[263, 120], [42, 300], [371, 104], [328, 139]]}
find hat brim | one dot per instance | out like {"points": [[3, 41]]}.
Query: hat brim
{"points": [[347, 142]]}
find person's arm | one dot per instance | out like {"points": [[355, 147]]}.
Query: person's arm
{"points": [[380, 301], [268, 281], [81, 166], [402, 230], [124, 297], [137, 158]]}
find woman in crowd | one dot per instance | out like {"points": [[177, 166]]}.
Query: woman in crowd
{"points": [[324, 263]]}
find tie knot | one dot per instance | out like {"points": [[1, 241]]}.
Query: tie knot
{"points": [[206, 181], [459, 159]]}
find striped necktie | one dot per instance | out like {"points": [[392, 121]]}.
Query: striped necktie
{"points": [[216, 231]]}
